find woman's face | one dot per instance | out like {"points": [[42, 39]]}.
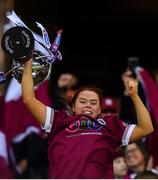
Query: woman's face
{"points": [[120, 167], [134, 157], [87, 103]]}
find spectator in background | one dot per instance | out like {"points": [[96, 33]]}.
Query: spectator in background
{"points": [[26, 140], [149, 95], [127, 110], [137, 158], [31, 156], [109, 105], [120, 167], [64, 90]]}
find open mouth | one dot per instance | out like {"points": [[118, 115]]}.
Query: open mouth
{"points": [[87, 112]]}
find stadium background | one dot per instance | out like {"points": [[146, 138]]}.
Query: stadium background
{"points": [[98, 36]]}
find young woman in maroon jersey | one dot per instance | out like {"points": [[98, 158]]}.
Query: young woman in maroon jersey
{"points": [[84, 145]]}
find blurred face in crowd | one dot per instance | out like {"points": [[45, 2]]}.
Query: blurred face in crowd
{"points": [[120, 167], [87, 102], [134, 156], [66, 80]]}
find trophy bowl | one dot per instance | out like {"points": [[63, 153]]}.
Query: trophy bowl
{"points": [[40, 68], [20, 44]]}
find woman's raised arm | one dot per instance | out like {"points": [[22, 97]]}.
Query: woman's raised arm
{"points": [[37, 108]]}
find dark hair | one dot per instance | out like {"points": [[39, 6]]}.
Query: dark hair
{"points": [[142, 147], [95, 89], [147, 174]]}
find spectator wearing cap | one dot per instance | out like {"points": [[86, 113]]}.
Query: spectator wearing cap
{"points": [[109, 106]]}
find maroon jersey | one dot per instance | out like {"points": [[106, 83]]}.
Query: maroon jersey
{"points": [[83, 147], [18, 121]]}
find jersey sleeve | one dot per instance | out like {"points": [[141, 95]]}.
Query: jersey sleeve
{"points": [[120, 130], [53, 118]]}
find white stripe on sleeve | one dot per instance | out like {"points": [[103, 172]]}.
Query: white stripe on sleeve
{"points": [[49, 119], [127, 134]]}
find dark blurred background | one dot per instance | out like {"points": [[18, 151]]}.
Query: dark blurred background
{"points": [[98, 36]]}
